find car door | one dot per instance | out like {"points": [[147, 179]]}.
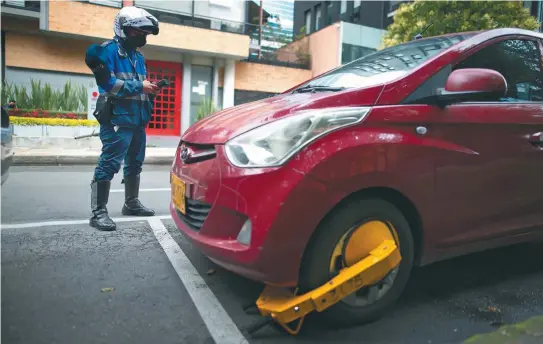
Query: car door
{"points": [[490, 185]]}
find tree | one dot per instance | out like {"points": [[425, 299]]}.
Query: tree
{"points": [[455, 16]]}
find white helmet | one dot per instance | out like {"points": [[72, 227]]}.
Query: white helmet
{"points": [[136, 18]]}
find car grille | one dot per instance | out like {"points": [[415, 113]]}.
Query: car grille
{"points": [[196, 213], [197, 152]]}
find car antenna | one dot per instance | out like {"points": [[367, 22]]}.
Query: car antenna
{"points": [[419, 35]]}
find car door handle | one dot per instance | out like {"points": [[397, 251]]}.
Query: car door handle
{"points": [[536, 138]]}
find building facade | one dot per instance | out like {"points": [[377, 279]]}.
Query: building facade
{"points": [[312, 16], [357, 28], [203, 49], [338, 32]]}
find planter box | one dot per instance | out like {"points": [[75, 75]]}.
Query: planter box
{"points": [[52, 131], [68, 143], [50, 136]]}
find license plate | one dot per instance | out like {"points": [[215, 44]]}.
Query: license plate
{"points": [[178, 193]]}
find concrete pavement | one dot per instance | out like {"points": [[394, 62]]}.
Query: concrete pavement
{"points": [[47, 193], [65, 282], [71, 284]]}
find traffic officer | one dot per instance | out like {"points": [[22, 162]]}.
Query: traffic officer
{"points": [[122, 133]]}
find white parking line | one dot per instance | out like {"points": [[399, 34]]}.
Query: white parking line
{"points": [[221, 327], [77, 222], [143, 190]]}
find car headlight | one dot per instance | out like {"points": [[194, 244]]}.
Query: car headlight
{"points": [[274, 143]]}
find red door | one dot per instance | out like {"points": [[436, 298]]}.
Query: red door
{"points": [[490, 186], [166, 118]]}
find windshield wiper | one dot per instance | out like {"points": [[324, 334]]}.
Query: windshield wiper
{"points": [[316, 88]]}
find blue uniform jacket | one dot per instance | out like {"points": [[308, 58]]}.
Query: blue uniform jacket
{"points": [[132, 107]]}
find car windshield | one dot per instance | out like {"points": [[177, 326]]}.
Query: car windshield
{"points": [[384, 65]]}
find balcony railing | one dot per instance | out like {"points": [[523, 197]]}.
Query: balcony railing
{"points": [[33, 6], [201, 21], [280, 58], [268, 55]]}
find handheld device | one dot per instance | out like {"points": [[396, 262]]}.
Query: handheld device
{"points": [[163, 83]]}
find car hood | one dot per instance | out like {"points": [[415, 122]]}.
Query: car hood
{"points": [[231, 122]]}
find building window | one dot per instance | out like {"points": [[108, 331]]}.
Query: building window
{"points": [[329, 11], [395, 4], [357, 4], [318, 17], [307, 22], [343, 6], [201, 82]]}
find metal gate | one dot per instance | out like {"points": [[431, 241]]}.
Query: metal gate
{"points": [[166, 118]]}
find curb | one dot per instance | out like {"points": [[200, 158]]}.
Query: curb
{"points": [[56, 160], [527, 332]]}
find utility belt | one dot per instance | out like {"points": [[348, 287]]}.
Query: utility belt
{"points": [[104, 109], [105, 104]]}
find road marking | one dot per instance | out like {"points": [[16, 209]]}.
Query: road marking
{"points": [[218, 322], [143, 190], [77, 222]]}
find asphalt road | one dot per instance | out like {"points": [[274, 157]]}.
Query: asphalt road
{"points": [[67, 283]]}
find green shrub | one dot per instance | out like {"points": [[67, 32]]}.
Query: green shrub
{"points": [[29, 121], [206, 108], [70, 98]]}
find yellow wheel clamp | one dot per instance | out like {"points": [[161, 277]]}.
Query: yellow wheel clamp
{"points": [[283, 306]]}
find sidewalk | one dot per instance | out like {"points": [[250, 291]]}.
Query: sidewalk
{"points": [[79, 156], [526, 332]]}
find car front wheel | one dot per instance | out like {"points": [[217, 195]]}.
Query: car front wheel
{"points": [[346, 237]]}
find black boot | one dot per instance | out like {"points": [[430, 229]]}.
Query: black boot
{"points": [[99, 197], [132, 205]]}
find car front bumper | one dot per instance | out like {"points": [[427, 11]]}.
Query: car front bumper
{"points": [[281, 204]]}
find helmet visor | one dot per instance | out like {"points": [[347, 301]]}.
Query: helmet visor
{"points": [[148, 30]]}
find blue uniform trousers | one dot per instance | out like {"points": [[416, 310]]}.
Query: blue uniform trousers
{"points": [[126, 144]]}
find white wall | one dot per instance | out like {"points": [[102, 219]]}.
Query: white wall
{"points": [[161, 55]]}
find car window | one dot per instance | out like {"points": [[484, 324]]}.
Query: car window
{"points": [[519, 61], [387, 64]]}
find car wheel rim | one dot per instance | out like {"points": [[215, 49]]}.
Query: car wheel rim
{"points": [[356, 245]]}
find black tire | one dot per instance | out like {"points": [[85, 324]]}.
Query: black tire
{"points": [[315, 269]]}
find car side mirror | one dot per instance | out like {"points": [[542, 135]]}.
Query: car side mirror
{"points": [[472, 84]]}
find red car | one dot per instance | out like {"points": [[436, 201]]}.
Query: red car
{"points": [[436, 143]]}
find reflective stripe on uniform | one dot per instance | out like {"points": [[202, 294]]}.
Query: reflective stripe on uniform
{"points": [[117, 87], [128, 75]]}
